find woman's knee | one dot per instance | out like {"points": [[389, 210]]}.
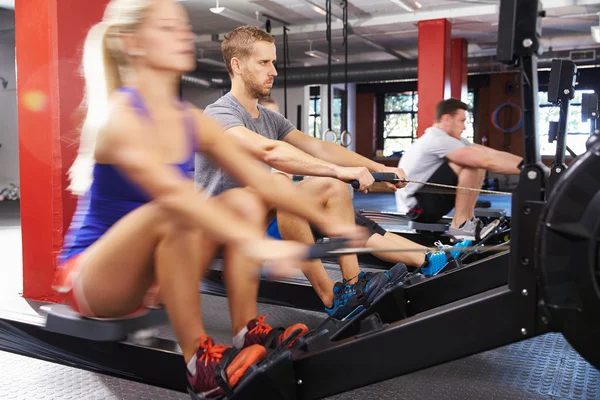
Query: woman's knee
{"points": [[164, 223], [245, 203]]}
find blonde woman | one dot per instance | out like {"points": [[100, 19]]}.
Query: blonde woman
{"points": [[139, 219]]}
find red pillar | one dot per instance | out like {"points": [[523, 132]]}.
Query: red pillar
{"points": [[433, 68], [459, 69], [49, 40]]}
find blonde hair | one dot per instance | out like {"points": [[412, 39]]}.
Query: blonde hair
{"points": [[239, 43], [104, 65]]}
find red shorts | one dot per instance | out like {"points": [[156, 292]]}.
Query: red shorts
{"points": [[67, 282]]}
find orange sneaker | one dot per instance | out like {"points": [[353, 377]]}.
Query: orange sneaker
{"points": [[258, 332], [201, 369]]}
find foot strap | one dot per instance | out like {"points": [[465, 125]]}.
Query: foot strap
{"points": [[221, 371]]}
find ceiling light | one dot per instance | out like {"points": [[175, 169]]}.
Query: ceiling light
{"points": [[419, 5], [210, 61], [402, 4], [319, 10], [234, 15], [321, 55]]}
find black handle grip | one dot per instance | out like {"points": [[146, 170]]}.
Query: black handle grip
{"points": [[385, 177], [321, 250], [379, 177]]}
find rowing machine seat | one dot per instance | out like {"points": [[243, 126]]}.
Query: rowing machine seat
{"points": [[435, 227], [489, 213], [64, 320]]}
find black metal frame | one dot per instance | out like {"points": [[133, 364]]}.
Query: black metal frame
{"points": [[158, 364], [558, 165], [482, 321]]}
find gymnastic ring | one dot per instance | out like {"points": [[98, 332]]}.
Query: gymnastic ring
{"points": [[497, 111], [345, 139], [568, 256], [327, 133]]}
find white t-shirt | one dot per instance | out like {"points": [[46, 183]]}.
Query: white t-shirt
{"points": [[421, 160]]}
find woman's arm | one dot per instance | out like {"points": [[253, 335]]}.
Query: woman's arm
{"points": [[121, 144]]}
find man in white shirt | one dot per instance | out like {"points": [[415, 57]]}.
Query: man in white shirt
{"points": [[442, 156]]}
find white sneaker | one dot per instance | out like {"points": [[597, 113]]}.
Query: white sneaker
{"points": [[488, 229], [467, 231], [474, 230]]}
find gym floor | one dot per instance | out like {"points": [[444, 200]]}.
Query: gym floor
{"points": [[545, 367]]}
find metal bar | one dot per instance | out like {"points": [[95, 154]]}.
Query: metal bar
{"points": [[478, 277], [122, 360], [282, 22], [285, 65], [329, 53], [561, 139], [279, 293], [529, 85], [482, 322]]}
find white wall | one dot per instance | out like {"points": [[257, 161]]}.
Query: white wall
{"points": [[295, 96], [9, 136], [201, 97]]}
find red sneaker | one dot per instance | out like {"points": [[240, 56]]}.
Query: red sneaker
{"points": [[263, 334], [201, 373]]}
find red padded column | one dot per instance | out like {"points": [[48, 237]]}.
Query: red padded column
{"points": [[49, 40], [433, 68], [459, 69]]}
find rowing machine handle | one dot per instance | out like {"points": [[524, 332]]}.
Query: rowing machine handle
{"points": [[321, 250], [379, 177]]}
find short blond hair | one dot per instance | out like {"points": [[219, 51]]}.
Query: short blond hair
{"points": [[239, 43]]}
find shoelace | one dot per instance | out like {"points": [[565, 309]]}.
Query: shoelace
{"points": [[261, 328], [211, 352], [443, 247]]}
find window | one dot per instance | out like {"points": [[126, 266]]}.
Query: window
{"points": [[399, 121], [338, 110], [578, 132], [469, 133], [314, 112]]}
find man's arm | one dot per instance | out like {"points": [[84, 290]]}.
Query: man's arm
{"points": [[287, 158], [331, 152], [339, 155], [494, 161], [509, 158]]}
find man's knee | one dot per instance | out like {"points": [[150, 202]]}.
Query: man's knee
{"points": [[327, 187], [245, 203], [471, 176]]}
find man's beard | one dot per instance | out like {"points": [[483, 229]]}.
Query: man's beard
{"points": [[254, 89]]}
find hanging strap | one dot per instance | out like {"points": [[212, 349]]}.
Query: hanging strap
{"points": [[345, 34], [286, 60], [329, 42]]}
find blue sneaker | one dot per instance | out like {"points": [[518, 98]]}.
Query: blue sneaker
{"points": [[348, 298], [396, 273], [344, 301], [438, 260]]}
